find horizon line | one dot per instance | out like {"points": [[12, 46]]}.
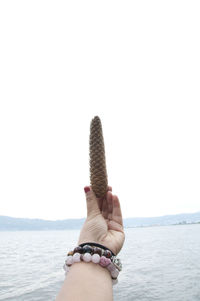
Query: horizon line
{"points": [[80, 218]]}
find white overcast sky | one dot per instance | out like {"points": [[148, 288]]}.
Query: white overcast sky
{"points": [[135, 64]]}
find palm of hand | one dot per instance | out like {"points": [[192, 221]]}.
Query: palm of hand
{"points": [[104, 222]]}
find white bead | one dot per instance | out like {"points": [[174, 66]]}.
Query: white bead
{"points": [[69, 260], [96, 258], [66, 268], [87, 257], [76, 257]]}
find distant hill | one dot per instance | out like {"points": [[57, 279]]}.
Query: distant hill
{"points": [[166, 220], [13, 224]]}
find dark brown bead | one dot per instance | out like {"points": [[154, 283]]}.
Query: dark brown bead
{"points": [[107, 254], [87, 249], [70, 253], [78, 250], [97, 250]]}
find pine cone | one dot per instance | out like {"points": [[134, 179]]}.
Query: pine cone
{"points": [[98, 172]]}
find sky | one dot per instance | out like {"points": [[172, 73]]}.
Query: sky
{"points": [[136, 65]]}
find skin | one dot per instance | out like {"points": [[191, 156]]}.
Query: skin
{"points": [[103, 225]]}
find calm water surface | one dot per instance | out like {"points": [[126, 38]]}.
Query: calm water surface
{"points": [[159, 263]]}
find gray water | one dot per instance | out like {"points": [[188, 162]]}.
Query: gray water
{"points": [[159, 263]]}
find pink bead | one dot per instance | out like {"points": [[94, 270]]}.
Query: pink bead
{"points": [[115, 273], [96, 258], [69, 260], [111, 267], [104, 261], [87, 257], [76, 257], [108, 261]]}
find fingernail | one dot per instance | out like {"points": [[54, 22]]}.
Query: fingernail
{"points": [[86, 188]]}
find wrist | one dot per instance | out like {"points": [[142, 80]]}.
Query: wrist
{"points": [[97, 254], [85, 281], [92, 269]]}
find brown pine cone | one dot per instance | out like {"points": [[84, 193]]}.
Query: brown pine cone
{"points": [[98, 172]]}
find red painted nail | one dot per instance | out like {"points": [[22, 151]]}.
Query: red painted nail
{"points": [[86, 188]]}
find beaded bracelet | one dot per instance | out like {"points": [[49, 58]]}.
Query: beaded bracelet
{"points": [[93, 244], [92, 252]]}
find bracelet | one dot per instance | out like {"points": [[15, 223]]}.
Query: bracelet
{"points": [[96, 253], [96, 245]]}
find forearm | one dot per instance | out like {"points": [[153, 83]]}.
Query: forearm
{"points": [[86, 282]]}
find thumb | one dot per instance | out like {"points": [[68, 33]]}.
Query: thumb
{"points": [[92, 202]]}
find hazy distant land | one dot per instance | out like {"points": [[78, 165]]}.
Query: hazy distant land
{"points": [[13, 224]]}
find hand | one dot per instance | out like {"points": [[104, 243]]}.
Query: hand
{"points": [[104, 223]]}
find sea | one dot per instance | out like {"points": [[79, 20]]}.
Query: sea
{"points": [[159, 263]]}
